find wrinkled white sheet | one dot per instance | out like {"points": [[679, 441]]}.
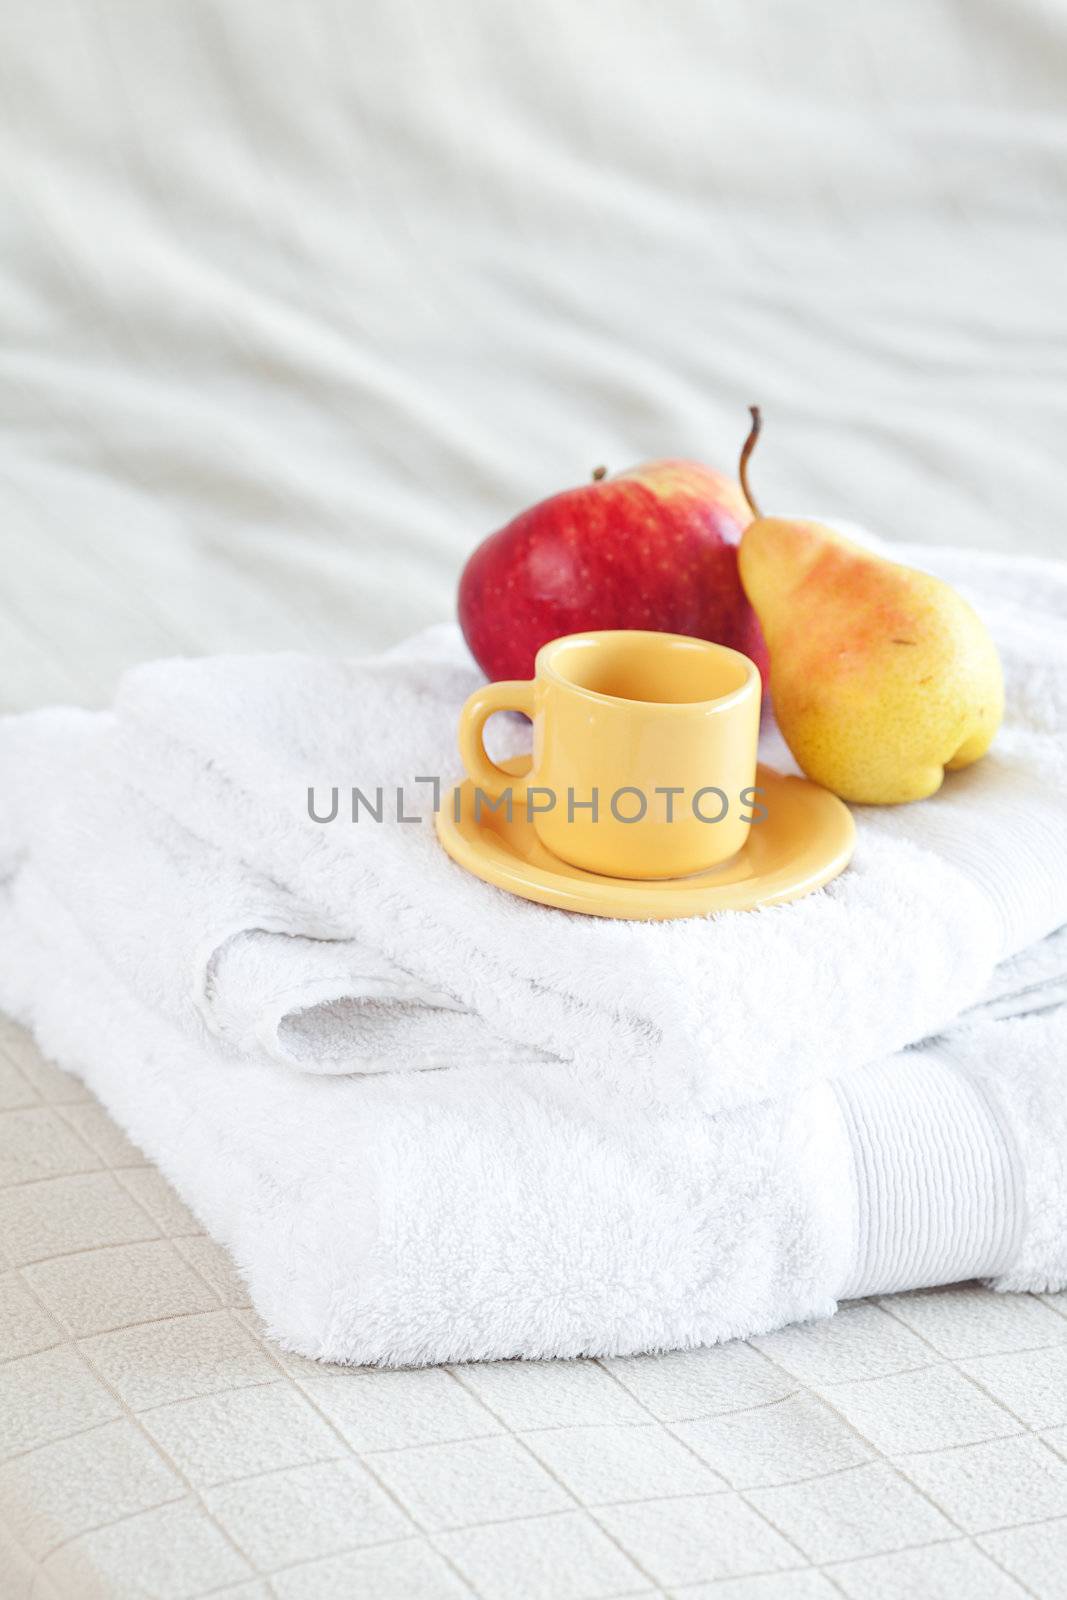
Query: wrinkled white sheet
{"points": [[300, 301]]}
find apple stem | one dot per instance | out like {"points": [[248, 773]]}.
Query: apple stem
{"points": [[746, 450], [598, 473]]}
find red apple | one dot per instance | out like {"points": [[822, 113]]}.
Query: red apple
{"points": [[654, 548]]}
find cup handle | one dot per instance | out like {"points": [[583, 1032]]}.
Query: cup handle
{"points": [[513, 695]]}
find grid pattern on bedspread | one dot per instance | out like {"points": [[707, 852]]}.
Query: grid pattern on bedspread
{"points": [[152, 1443]]}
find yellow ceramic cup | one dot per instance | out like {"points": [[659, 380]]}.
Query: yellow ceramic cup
{"points": [[644, 751]]}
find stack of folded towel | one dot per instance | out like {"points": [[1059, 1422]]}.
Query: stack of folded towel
{"points": [[433, 1122]]}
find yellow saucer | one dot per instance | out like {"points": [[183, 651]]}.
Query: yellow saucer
{"points": [[806, 839]]}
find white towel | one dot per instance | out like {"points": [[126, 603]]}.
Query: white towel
{"points": [[503, 1209], [719, 1010], [512, 1204], [214, 945], [223, 951]]}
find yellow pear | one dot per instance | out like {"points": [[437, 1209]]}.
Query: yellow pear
{"points": [[882, 677]]}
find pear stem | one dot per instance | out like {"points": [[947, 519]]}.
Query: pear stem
{"points": [[746, 450], [598, 473]]}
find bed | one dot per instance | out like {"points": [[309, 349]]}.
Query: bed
{"points": [[301, 302]]}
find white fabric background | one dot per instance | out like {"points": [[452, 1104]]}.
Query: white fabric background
{"points": [[297, 301], [301, 300]]}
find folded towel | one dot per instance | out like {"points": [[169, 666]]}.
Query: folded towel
{"points": [[505, 1209], [721, 1010], [219, 948], [224, 952], [512, 1205]]}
